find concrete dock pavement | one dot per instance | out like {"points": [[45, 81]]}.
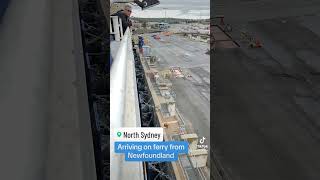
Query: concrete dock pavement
{"points": [[192, 96]]}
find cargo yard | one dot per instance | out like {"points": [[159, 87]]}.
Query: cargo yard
{"points": [[177, 71], [193, 86], [172, 69]]}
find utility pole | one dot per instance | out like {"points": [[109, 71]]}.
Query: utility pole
{"points": [[165, 14]]}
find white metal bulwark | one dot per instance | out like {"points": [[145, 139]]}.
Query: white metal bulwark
{"points": [[124, 107]]}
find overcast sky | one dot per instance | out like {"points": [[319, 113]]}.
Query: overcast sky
{"points": [[192, 9]]}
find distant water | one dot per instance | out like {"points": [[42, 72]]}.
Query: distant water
{"points": [[183, 9], [181, 14]]}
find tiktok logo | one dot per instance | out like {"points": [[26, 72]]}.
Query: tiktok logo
{"points": [[202, 145], [202, 140]]}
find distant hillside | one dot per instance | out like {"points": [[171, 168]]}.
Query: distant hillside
{"points": [[169, 20]]}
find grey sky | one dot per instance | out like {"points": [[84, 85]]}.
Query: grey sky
{"points": [[183, 4], [177, 9]]}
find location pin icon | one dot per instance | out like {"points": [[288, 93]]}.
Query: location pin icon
{"points": [[118, 134]]}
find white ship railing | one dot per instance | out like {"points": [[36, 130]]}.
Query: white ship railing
{"points": [[124, 107]]}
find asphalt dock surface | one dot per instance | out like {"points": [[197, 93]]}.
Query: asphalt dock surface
{"points": [[192, 94]]}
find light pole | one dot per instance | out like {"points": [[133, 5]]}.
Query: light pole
{"points": [[165, 14]]}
